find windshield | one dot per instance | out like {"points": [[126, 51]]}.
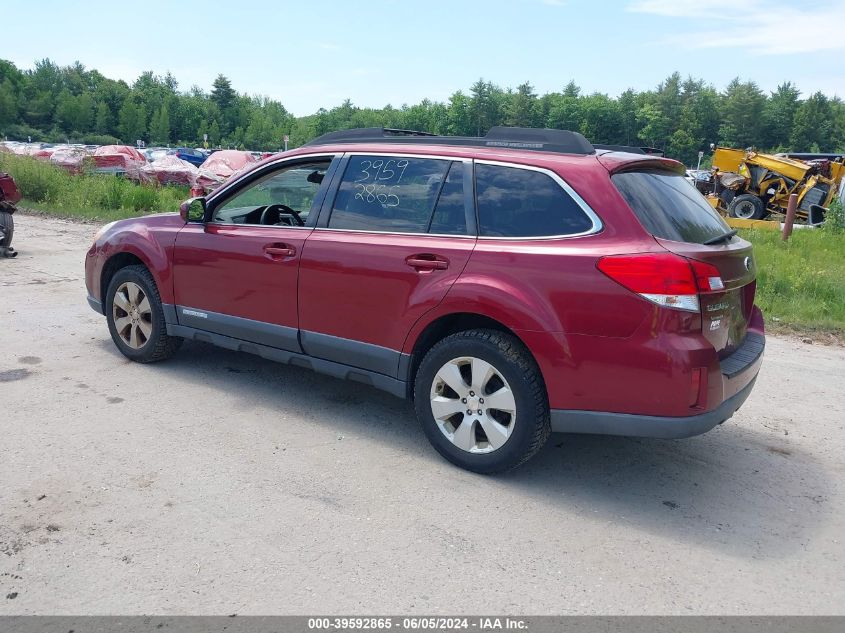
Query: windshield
{"points": [[669, 206]]}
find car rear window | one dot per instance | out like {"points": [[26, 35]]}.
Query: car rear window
{"points": [[669, 207]]}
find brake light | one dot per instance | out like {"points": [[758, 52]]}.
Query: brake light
{"points": [[666, 279]]}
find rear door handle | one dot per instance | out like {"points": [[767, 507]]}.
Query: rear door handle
{"points": [[279, 251], [427, 261]]}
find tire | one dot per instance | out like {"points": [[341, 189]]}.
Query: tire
{"points": [[747, 207], [727, 196], [139, 331], [7, 227], [516, 383]]}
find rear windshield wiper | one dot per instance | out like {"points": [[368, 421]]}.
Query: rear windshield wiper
{"points": [[724, 237]]}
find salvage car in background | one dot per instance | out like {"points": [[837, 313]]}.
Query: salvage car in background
{"points": [[120, 160], [221, 166], [193, 156], [71, 159], [170, 170]]}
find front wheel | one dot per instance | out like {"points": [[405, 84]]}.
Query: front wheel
{"points": [[481, 401], [136, 318]]}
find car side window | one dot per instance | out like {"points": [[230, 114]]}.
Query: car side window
{"points": [[515, 202], [449, 216], [388, 194], [282, 198]]}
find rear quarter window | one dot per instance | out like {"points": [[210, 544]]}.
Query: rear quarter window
{"points": [[669, 207], [518, 202]]}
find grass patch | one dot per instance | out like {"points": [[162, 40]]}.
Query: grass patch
{"points": [[54, 191], [801, 283]]}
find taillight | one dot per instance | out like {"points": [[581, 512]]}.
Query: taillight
{"points": [[666, 279], [707, 276]]}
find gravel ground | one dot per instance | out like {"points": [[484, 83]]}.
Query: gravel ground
{"points": [[220, 483]]}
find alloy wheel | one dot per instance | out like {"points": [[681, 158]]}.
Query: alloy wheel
{"points": [[132, 315], [473, 405]]}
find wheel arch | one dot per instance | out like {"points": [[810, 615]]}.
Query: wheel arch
{"points": [[445, 325], [116, 262]]}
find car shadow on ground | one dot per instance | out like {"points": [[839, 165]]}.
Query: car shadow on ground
{"points": [[740, 489]]}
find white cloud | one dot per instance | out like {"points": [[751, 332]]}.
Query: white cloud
{"points": [[554, 3], [759, 28]]}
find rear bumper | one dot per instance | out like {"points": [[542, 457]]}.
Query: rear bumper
{"points": [[600, 423]]}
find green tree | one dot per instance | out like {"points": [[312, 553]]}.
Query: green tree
{"points": [[654, 125], [627, 103], [214, 133], [779, 115], [103, 120], [9, 71], [36, 106], [50, 101], [669, 102], [160, 126], [565, 109], [523, 108], [484, 106], [683, 147], [813, 125], [8, 104], [572, 90], [74, 113], [224, 96], [459, 115], [132, 121], [601, 121], [190, 116], [742, 114], [261, 133]]}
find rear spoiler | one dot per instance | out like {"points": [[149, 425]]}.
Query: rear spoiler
{"points": [[616, 163], [630, 149]]}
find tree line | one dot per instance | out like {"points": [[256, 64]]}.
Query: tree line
{"points": [[680, 116]]}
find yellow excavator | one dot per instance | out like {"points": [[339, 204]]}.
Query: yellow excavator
{"points": [[749, 185]]}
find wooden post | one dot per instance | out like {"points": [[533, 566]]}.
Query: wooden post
{"points": [[790, 216]]}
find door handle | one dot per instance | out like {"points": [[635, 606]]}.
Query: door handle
{"points": [[279, 251], [426, 261]]}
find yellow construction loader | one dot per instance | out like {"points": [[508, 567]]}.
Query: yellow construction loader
{"points": [[752, 186]]}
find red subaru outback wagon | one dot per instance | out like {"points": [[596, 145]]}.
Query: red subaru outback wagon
{"points": [[511, 285]]}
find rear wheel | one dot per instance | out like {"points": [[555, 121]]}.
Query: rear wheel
{"points": [[481, 401], [136, 318], [747, 207]]}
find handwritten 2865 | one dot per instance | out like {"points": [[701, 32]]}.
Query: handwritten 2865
{"points": [[378, 181]]}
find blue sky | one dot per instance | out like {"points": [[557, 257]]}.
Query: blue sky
{"points": [[315, 54]]}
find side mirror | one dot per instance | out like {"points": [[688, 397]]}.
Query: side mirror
{"points": [[193, 210]]}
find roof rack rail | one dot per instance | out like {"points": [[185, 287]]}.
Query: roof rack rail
{"points": [[521, 138]]}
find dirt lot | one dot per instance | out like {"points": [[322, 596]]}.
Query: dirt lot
{"points": [[220, 483]]}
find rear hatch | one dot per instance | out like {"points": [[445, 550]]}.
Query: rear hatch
{"points": [[682, 222]]}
